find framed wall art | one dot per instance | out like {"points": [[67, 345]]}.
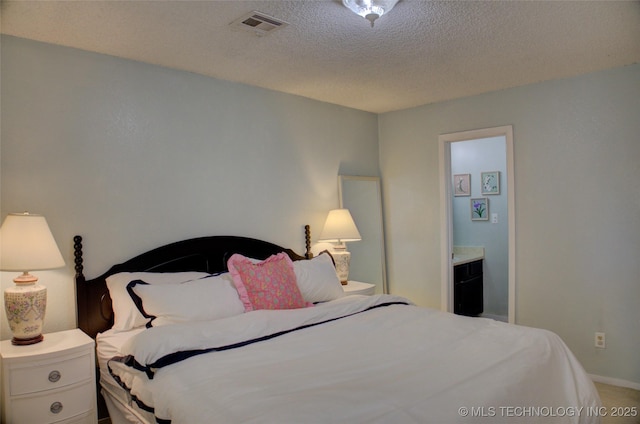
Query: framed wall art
{"points": [[490, 182], [480, 209], [462, 185]]}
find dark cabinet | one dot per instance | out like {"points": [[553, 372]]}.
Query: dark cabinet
{"points": [[467, 289]]}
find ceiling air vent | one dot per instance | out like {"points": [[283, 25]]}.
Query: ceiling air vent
{"points": [[259, 23]]}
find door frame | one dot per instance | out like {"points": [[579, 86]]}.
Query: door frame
{"points": [[446, 209]]}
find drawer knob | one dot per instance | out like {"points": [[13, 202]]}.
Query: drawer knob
{"points": [[56, 407], [54, 376]]}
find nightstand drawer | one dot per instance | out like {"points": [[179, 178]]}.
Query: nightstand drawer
{"points": [[53, 407], [51, 375]]}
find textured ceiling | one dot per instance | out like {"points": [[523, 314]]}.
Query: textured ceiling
{"points": [[421, 52]]}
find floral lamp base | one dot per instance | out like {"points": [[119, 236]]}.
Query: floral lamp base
{"points": [[342, 258], [25, 305]]}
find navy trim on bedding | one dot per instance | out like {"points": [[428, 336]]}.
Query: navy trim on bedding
{"points": [[134, 398], [137, 300]]}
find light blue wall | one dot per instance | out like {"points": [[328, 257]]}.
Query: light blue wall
{"points": [[576, 158], [132, 156], [474, 157]]}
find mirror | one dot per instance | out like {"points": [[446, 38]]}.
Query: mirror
{"points": [[362, 196]]}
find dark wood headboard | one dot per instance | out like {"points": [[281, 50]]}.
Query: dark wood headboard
{"points": [[205, 254]]}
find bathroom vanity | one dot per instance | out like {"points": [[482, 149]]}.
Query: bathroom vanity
{"points": [[467, 281]]}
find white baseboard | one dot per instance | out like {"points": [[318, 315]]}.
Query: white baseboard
{"points": [[615, 381]]}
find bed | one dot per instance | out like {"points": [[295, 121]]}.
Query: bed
{"points": [[228, 329]]}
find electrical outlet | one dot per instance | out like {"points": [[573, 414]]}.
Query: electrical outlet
{"points": [[600, 340]]}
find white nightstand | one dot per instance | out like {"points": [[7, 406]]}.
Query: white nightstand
{"points": [[356, 287], [51, 381]]}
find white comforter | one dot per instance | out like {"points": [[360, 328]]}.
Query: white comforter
{"points": [[391, 364]]}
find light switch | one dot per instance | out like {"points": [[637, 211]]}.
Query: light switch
{"points": [[494, 218]]}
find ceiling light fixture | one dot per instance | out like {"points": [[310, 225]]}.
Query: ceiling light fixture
{"points": [[370, 9]]}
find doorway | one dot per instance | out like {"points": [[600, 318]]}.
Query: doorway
{"points": [[499, 257]]}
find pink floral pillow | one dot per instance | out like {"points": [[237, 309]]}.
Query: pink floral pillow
{"points": [[270, 284]]}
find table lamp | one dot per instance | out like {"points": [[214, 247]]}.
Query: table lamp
{"points": [[26, 244], [340, 228]]}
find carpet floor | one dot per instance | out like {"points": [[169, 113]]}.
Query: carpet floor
{"points": [[619, 401]]}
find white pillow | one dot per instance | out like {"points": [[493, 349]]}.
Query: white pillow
{"points": [[126, 315], [317, 279], [208, 298]]}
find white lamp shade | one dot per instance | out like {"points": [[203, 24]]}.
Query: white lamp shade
{"points": [[26, 244], [340, 227]]}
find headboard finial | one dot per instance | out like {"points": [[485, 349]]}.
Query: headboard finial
{"points": [[307, 241], [77, 252]]}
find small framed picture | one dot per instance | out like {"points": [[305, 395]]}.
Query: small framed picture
{"points": [[480, 209], [490, 182], [462, 185]]}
